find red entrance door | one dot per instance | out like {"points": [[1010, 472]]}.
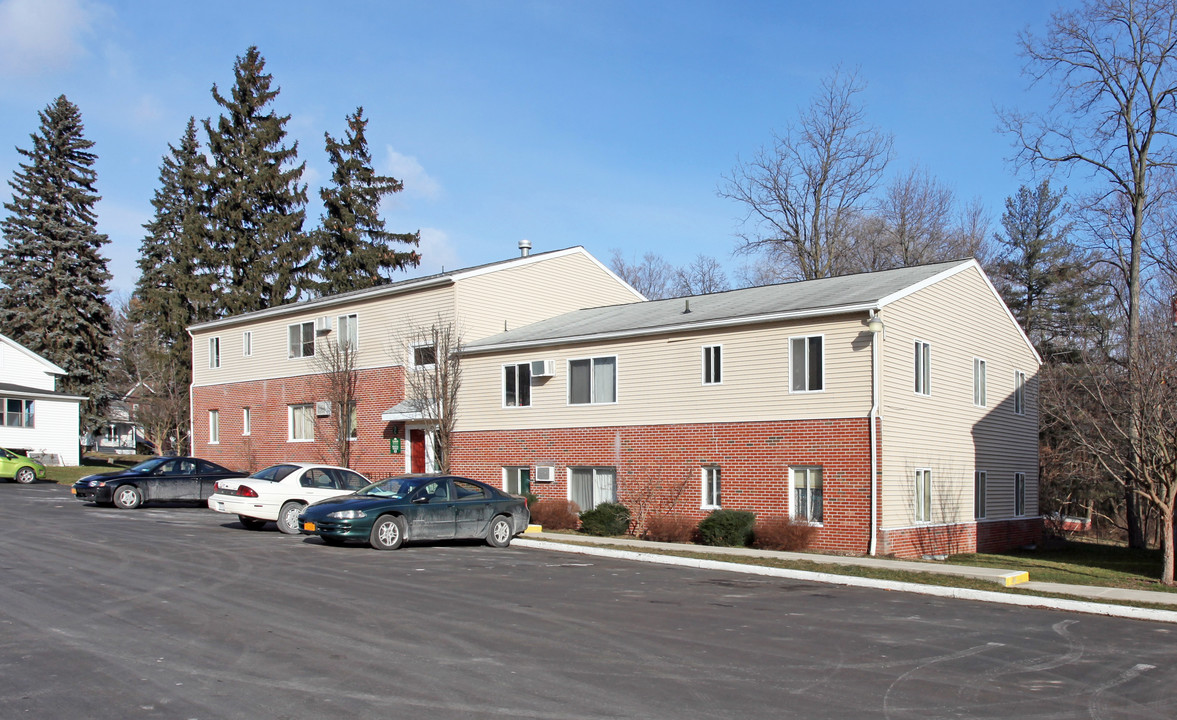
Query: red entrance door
{"points": [[417, 451]]}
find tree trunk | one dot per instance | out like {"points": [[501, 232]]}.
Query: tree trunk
{"points": [[1167, 546]]}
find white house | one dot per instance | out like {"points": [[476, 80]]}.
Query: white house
{"points": [[36, 419]]}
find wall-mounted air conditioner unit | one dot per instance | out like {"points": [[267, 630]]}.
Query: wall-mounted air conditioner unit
{"points": [[543, 368], [323, 325], [323, 408], [545, 473]]}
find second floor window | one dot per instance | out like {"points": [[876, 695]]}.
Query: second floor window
{"points": [[517, 385], [349, 331], [1020, 393], [214, 352], [592, 381], [302, 340], [712, 364], [424, 356], [979, 382], [805, 360], [247, 343], [923, 368]]}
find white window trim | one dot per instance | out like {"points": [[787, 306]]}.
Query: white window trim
{"points": [[214, 427], [412, 363], [916, 496], [503, 386], [981, 510], [246, 421], [789, 369], [1019, 391], [355, 318], [927, 391], [983, 387], [214, 352], [568, 479], [705, 502], [703, 365], [793, 494], [592, 387], [247, 343], [508, 468], [290, 422], [314, 340]]}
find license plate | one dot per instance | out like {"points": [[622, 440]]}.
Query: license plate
{"points": [[308, 526]]}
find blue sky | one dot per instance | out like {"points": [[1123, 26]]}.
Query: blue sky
{"points": [[603, 124]]}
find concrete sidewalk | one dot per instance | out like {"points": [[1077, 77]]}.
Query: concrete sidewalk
{"points": [[1010, 578]]}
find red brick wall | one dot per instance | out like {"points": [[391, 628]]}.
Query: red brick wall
{"points": [[379, 389], [658, 467], [1005, 534]]}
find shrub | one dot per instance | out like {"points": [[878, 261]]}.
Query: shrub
{"points": [[669, 528], [555, 514], [727, 527], [782, 533], [605, 519]]}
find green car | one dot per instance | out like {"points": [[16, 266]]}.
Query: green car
{"points": [[20, 468], [418, 507]]}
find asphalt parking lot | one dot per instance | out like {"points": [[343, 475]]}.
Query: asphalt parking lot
{"points": [[177, 612]]}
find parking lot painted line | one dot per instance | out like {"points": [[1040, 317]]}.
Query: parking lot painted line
{"points": [[1082, 606]]}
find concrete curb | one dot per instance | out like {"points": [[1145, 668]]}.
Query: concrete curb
{"points": [[1093, 608]]}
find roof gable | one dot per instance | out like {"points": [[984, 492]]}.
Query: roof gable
{"points": [[49, 367]]}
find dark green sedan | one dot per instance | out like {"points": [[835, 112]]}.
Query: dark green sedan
{"points": [[418, 507]]}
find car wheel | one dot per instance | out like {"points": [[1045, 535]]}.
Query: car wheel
{"points": [[500, 532], [288, 517], [250, 523], [388, 533], [128, 497], [332, 540], [25, 475]]}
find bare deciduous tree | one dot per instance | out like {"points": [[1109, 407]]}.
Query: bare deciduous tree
{"points": [[433, 376], [703, 275], [335, 364], [154, 377], [802, 194], [650, 277]]}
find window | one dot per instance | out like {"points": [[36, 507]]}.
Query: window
{"points": [[588, 487], [247, 343], [711, 485], [592, 381], [214, 352], [302, 422], [1020, 393], [466, 490], [923, 368], [214, 426], [424, 355], [352, 421], [517, 480], [807, 495], [979, 382], [712, 364], [18, 413], [805, 359], [980, 480], [246, 421], [349, 332], [302, 340], [1019, 494], [517, 385], [923, 495]]}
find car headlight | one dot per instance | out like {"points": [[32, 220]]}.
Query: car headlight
{"points": [[346, 514]]}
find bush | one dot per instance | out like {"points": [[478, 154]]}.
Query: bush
{"points": [[782, 533], [731, 528], [669, 528], [605, 519], [555, 514]]}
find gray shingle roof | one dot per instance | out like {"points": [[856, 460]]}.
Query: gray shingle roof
{"points": [[809, 297]]}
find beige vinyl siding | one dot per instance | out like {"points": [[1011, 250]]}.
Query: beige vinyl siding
{"points": [[512, 297], [962, 319], [659, 380], [383, 323]]}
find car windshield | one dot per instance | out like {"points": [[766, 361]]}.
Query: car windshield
{"points": [[394, 487], [274, 472], [149, 465]]}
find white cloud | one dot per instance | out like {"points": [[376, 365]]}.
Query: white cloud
{"points": [[42, 36], [408, 170], [437, 252]]}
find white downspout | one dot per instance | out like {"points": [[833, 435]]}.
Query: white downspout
{"points": [[875, 324]]}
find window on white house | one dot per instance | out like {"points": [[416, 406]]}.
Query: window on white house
{"points": [[246, 421], [711, 488], [588, 487], [923, 495], [18, 413], [302, 340], [349, 332], [302, 422], [712, 364], [807, 494], [247, 343], [214, 352], [980, 491], [214, 426], [592, 380], [517, 480], [1019, 494], [923, 368], [1020, 393], [517, 385], [806, 363], [979, 382], [424, 355]]}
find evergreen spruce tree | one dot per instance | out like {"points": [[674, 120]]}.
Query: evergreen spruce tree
{"points": [[256, 201], [53, 275], [354, 249]]}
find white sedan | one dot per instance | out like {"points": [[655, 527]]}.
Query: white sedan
{"points": [[280, 492]]}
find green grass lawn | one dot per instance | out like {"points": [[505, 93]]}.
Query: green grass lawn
{"points": [[91, 463], [1080, 563]]}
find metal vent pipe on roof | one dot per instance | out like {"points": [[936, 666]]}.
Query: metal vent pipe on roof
{"points": [[524, 247]]}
